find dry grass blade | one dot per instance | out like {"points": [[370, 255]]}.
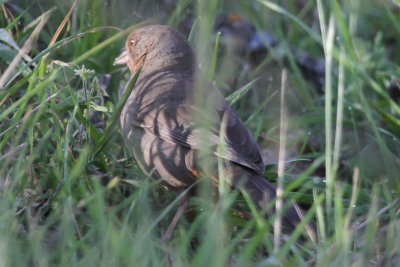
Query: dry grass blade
{"points": [[59, 29], [25, 48], [281, 165]]}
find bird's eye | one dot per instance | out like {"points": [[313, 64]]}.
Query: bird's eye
{"points": [[132, 41]]}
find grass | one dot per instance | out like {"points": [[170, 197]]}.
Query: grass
{"points": [[72, 194]]}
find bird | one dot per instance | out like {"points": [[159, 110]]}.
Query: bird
{"points": [[175, 120]]}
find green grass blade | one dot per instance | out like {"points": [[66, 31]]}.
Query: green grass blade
{"points": [[117, 112]]}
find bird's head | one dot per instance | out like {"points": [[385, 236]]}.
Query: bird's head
{"points": [[160, 43]]}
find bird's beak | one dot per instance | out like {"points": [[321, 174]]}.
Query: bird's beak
{"points": [[122, 59]]}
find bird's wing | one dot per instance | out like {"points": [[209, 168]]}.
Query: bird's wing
{"points": [[227, 137], [218, 129]]}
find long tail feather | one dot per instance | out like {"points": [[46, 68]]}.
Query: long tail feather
{"points": [[263, 192]]}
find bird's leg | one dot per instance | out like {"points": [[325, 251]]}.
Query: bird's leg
{"points": [[182, 205]]}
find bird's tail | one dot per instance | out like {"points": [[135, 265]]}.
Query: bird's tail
{"points": [[263, 192]]}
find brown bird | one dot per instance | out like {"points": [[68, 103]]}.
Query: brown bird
{"points": [[172, 128]]}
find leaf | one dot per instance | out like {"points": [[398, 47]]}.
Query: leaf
{"points": [[235, 96], [6, 38]]}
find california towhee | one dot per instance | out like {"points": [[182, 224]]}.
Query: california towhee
{"points": [[170, 126]]}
